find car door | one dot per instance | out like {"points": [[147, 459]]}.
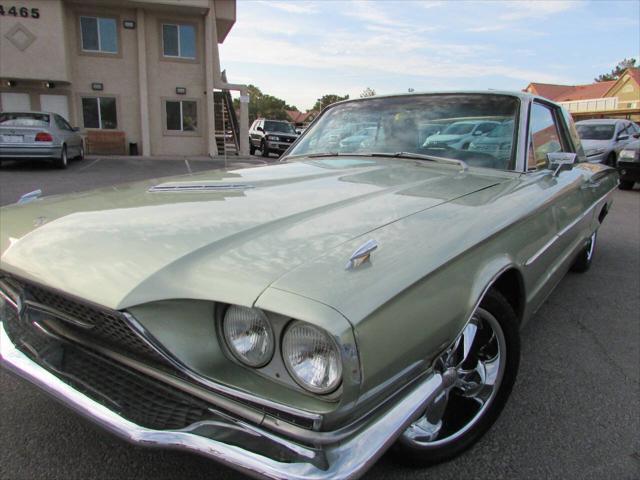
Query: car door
{"points": [[623, 137], [565, 200], [71, 139]]}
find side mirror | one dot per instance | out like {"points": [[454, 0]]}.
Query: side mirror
{"points": [[623, 136], [636, 135], [559, 161], [476, 133], [260, 129], [75, 129]]}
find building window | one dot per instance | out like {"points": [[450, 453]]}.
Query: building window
{"points": [[99, 112], [179, 41], [99, 34], [182, 116]]}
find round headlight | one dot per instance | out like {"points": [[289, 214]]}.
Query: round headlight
{"points": [[312, 358], [248, 334]]}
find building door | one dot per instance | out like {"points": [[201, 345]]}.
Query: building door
{"points": [[56, 104], [15, 102]]}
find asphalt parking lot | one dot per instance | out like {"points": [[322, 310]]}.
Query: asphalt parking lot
{"points": [[574, 412]]}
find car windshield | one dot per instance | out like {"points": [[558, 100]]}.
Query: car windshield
{"points": [[504, 130], [403, 124], [280, 127], [459, 129], [596, 132], [10, 119]]}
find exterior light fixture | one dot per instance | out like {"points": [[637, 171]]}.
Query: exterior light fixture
{"points": [[10, 83], [181, 91], [49, 85], [97, 86]]}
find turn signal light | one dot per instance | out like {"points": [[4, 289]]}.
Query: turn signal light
{"points": [[44, 137]]}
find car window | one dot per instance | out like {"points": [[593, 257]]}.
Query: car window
{"points": [[485, 127], [282, 127], [61, 123], [10, 119], [458, 129], [594, 131], [544, 136], [410, 125]]}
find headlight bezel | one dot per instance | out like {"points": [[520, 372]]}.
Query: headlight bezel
{"points": [[234, 352], [291, 370], [276, 370]]}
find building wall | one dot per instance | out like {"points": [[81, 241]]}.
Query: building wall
{"points": [[47, 32], [165, 75], [118, 73], [53, 62], [627, 91]]}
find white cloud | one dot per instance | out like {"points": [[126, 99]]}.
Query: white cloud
{"points": [[293, 7]]}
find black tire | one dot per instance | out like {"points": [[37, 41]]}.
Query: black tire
{"points": [[63, 161], [252, 149], [80, 156], [583, 261], [407, 453], [626, 184], [263, 149]]}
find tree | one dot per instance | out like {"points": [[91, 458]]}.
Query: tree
{"points": [[368, 92], [617, 71], [262, 105], [326, 100]]}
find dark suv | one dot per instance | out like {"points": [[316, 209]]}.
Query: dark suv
{"points": [[271, 136]]}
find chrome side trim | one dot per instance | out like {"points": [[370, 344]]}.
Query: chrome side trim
{"points": [[199, 188], [30, 304], [346, 459], [562, 232]]}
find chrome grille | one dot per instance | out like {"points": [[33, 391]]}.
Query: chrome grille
{"points": [[109, 326], [137, 398]]}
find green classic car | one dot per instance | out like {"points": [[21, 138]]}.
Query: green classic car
{"points": [[296, 320]]}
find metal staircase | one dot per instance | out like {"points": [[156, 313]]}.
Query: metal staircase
{"points": [[227, 128]]}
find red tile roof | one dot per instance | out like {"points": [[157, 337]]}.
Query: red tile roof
{"points": [[299, 117], [564, 93]]}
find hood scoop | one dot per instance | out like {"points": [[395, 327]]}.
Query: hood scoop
{"points": [[198, 187]]}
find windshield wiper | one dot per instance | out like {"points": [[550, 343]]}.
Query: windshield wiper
{"points": [[419, 156]]}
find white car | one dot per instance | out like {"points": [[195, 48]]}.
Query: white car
{"points": [[460, 134], [603, 139]]}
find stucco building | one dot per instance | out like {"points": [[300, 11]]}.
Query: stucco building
{"points": [[611, 99], [123, 71]]}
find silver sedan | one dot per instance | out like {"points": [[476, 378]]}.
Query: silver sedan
{"points": [[25, 135]]}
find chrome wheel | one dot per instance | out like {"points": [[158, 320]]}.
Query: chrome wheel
{"points": [[472, 370]]}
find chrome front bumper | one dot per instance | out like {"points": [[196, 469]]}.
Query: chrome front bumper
{"points": [[346, 458]]}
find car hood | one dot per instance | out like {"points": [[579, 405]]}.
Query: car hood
{"points": [[444, 138], [591, 144], [219, 235]]}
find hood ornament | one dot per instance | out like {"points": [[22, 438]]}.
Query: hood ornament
{"points": [[361, 255]]}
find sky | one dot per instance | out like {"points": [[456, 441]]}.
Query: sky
{"points": [[300, 50]]}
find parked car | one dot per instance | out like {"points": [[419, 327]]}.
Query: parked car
{"points": [[271, 136], [460, 134], [497, 142], [297, 319], [629, 165], [27, 135], [602, 139], [357, 139]]}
